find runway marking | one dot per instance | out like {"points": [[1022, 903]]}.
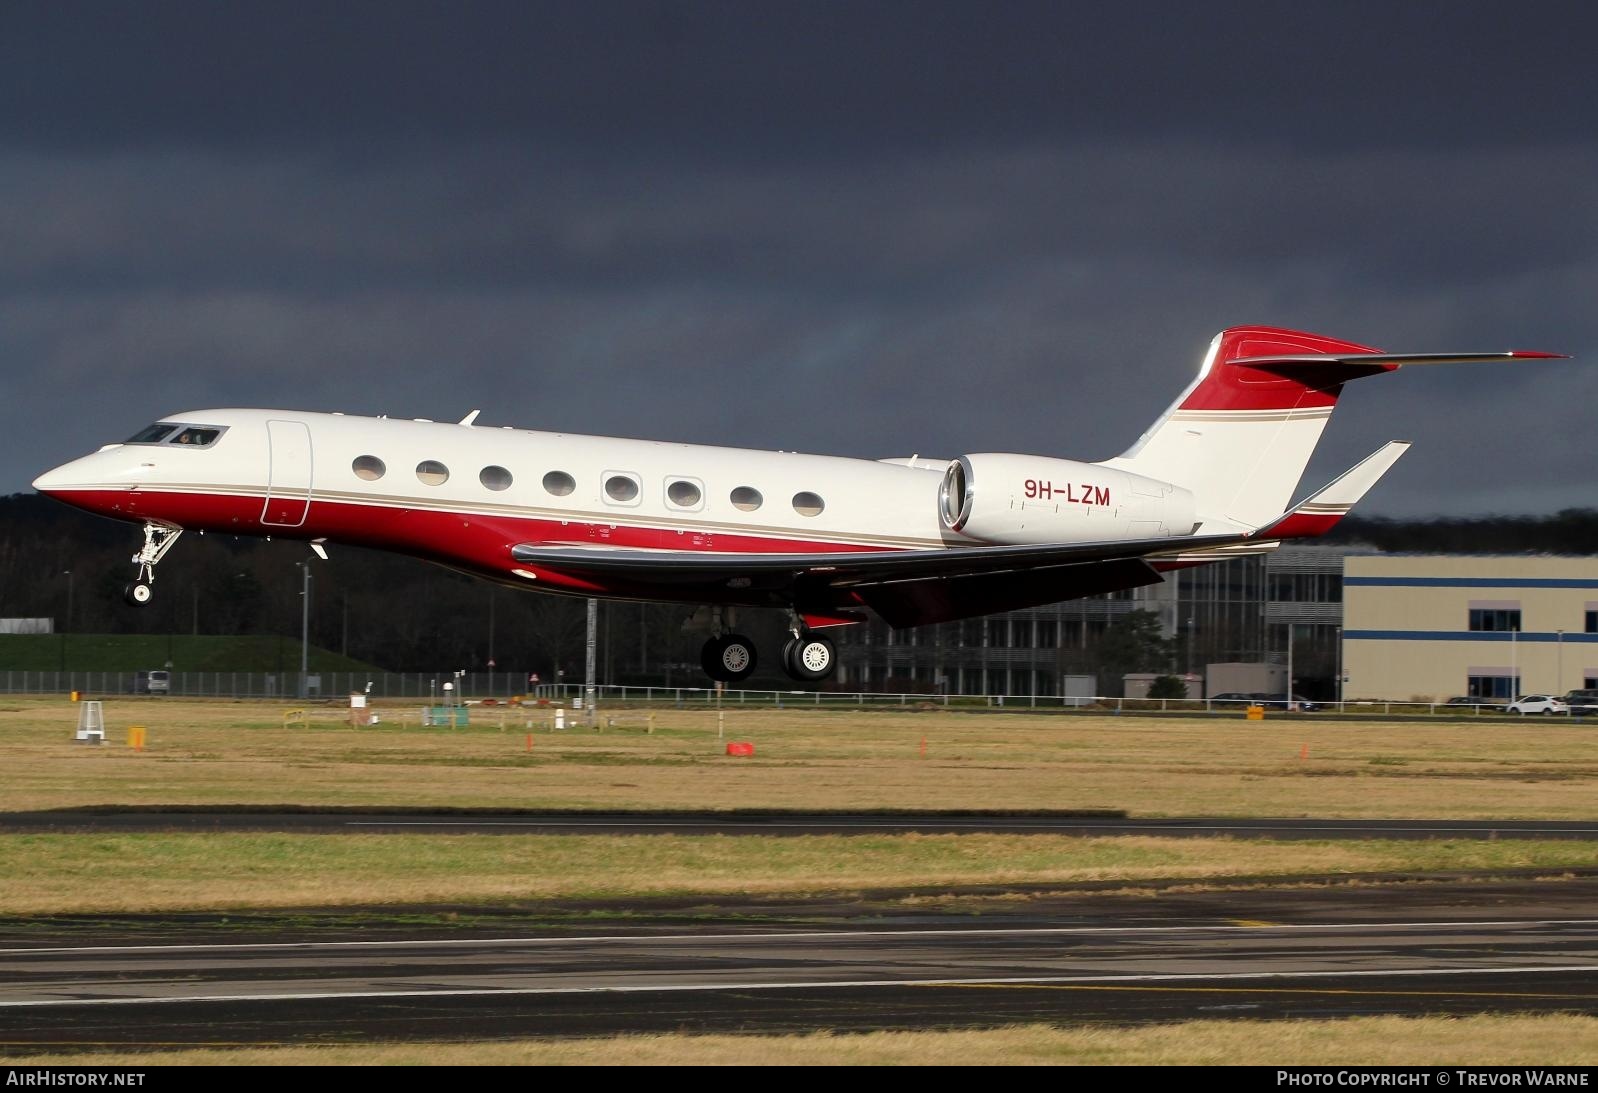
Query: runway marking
{"points": [[1260, 990], [679, 988], [800, 935]]}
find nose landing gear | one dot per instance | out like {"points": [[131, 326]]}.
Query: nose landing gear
{"points": [[158, 539]]}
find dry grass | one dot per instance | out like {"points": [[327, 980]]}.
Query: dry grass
{"points": [[240, 753], [1368, 1041], [69, 873]]}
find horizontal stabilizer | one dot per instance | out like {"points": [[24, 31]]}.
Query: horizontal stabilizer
{"points": [[1389, 360], [1315, 515], [1321, 510]]}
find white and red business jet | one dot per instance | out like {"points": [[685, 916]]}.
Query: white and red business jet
{"points": [[914, 540]]}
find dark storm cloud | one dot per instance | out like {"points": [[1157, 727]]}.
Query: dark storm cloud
{"points": [[741, 79], [869, 229]]}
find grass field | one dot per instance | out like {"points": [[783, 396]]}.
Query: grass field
{"points": [[220, 753], [1369, 1041], [227, 753], [185, 652], [179, 872]]}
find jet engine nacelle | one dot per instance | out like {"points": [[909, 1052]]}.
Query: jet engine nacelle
{"points": [[1031, 499]]}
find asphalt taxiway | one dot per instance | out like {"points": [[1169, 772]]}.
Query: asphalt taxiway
{"points": [[480, 822], [943, 959]]}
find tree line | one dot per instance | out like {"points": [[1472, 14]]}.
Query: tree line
{"points": [[400, 614], [395, 613]]}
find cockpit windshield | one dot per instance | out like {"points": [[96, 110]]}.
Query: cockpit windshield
{"points": [[153, 434], [166, 432]]}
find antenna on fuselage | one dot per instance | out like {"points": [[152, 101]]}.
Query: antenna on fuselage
{"points": [[471, 417]]}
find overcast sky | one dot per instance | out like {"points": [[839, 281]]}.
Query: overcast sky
{"points": [[853, 228]]}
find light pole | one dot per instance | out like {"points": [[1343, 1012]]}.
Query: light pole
{"points": [[588, 685], [66, 623], [1287, 702], [305, 627], [1514, 663], [1339, 669], [1560, 670], [492, 589]]}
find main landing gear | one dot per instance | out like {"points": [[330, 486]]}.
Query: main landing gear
{"points": [[158, 539], [806, 656], [728, 658]]}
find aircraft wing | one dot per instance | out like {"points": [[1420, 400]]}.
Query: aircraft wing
{"points": [[916, 587], [852, 567], [906, 587]]}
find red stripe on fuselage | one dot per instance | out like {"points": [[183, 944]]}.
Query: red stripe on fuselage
{"points": [[480, 543]]}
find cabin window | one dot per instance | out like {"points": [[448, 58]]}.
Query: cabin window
{"points": [[808, 504], [432, 472], [153, 434], [495, 478], [368, 467], [621, 488], [684, 493], [559, 483], [746, 498]]}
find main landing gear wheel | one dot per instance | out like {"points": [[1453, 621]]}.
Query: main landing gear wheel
{"points": [[809, 657], [728, 658], [137, 594]]}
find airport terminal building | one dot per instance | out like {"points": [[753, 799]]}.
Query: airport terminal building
{"points": [[1436, 626], [1243, 610], [1393, 626]]}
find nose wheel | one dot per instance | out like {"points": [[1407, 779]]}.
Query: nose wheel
{"points": [[158, 539]]}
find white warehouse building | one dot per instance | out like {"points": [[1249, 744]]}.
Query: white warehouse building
{"points": [[1435, 626]]}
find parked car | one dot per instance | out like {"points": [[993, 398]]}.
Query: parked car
{"points": [[152, 683], [1259, 698], [1233, 698], [1546, 704], [1583, 703], [1477, 705], [1299, 702]]}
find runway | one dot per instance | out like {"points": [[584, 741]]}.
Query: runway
{"points": [[795, 965], [289, 820]]}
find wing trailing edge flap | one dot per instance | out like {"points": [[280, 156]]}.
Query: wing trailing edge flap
{"points": [[920, 602]]}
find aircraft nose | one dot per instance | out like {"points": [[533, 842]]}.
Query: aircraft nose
{"points": [[81, 473], [52, 480]]}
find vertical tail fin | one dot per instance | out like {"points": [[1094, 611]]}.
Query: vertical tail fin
{"points": [[1240, 436]]}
